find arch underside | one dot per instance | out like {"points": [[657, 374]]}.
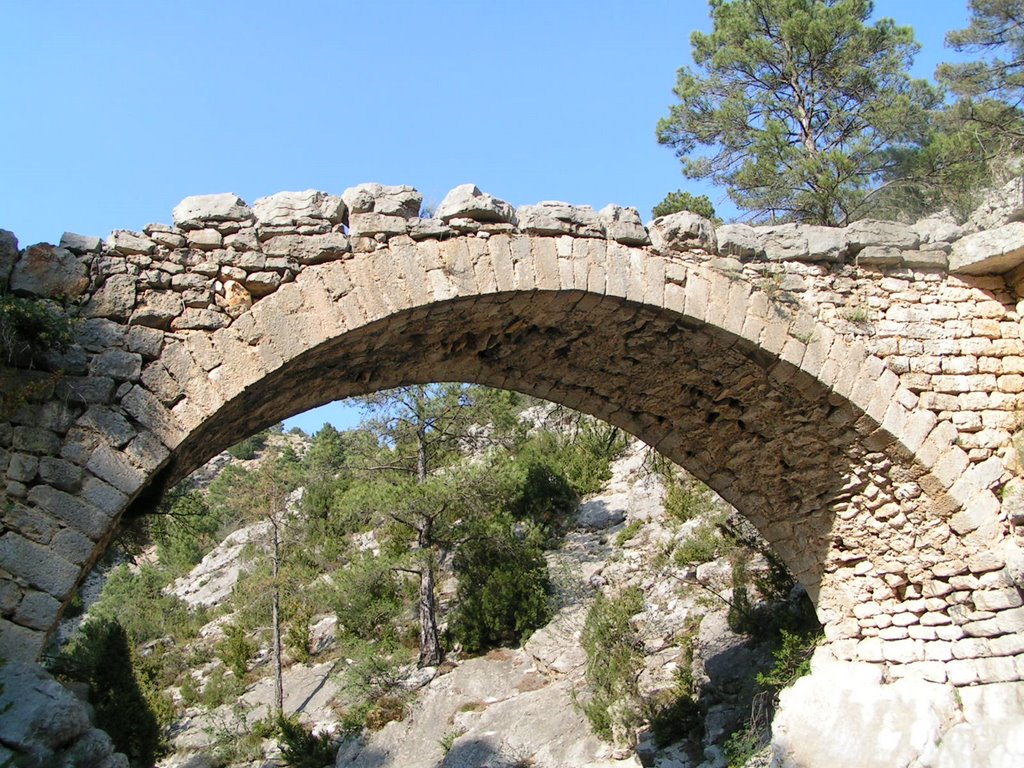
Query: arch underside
{"points": [[776, 446]]}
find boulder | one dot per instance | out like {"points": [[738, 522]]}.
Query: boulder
{"points": [[196, 211], [299, 208], [401, 201], [114, 299], [467, 201], [8, 255], [623, 225], [938, 228], [128, 243], [683, 231], [1000, 206], [842, 714], [802, 242], [551, 217], [47, 271], [985, 253]]}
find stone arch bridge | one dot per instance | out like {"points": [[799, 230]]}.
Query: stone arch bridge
{"points": [[854, 392]]}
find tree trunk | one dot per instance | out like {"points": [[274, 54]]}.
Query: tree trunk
{"points": [[430, 642], [275, 622]]}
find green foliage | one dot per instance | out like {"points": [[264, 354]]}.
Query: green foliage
{"points": [[327, 453], [704, 544], [366, 598], [533, 489], [677, 201], [99, 654], [297, 637], [183, 530], [248, 448], [627, 533], [138, 603], [797, 101], [996, 30], [31, 328], [236, 649], [687, 498], [301, 748], [614, 659], [792, 660], [220, 689], [743, 744], [503, 587]]}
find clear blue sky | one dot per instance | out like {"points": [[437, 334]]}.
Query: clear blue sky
{"points": [[115, 111]]}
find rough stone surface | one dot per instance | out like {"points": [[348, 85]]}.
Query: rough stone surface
{"points": [[46, 271], [991, 252], [196, 211], [467, 201], [297, 208], [683, 231], [8, 255]]}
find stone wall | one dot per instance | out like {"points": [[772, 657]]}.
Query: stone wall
{"points": [[853, 391]]}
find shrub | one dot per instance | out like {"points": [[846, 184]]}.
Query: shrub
{"points": [[32, 328], [703, 545], [297, 637], [235, 650], [792, 660], [677, 201], [366, 598], [301, 748], [100, 655], [248, 448], [614, 660], [183, 530], [629, 532], [503, 588], [687, 498]]}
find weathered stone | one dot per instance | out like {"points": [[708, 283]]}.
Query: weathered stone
{"points": [[204, 240], [73, 546], [879, 256], [127, 242], [800, 242], [86, 389], [467, 201], [193, 319], [8, 256], [114, 299], [22, 467], [1000, 206], [60, 474], [861, 234], [145, 341], [370, 224], [623, 225], [259, 284], [555, 218], [156, 309], [682, 231], [168, 239], [991, 252], [194, 212], [401, 201], [295, 208], [236, 298], [739, 240], [37, 610], [37, 565], [313, 249], [49, 272], [35, 440], [938, 228], [80, 243], [117, 364]]}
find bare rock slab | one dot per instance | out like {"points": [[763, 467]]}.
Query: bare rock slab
{"points": [[987, 253]]}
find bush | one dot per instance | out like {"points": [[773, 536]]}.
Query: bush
{"points": [[503, 588], [100, 655], [184, 530], [366, 598], [703, 545], [32, 328], [247, 449], [301, 748], [677, 201], [792, 657], [236, 649], [614, 661], [687, 498]]}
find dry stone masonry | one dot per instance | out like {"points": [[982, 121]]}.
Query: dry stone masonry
{"points": [[854, 392]]}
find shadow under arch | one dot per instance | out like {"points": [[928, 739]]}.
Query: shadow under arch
{"points": [[781, 449]]}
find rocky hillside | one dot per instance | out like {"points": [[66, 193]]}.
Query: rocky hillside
{"points": [[523, 706]]}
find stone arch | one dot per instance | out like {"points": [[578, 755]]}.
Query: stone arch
{"points": [[816, 440]]}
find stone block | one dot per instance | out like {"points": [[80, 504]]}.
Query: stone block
{"points": [[194, 212], [18, 643], [994, 251], [71, 509], [72, 546], [37, 610], [60, 474], [37, 565]]}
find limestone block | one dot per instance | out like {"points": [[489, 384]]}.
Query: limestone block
{"points": [[317, 249], [204, 239], [739, 240], [362, 225], [193, 319], [1000, 206], [80, 243], [399, 201], [682, 232], [623, 225], [286, 209], [114, 299], [861, 234], [37, 565], [555, 218], [156, 309], [990, 252], [46, 271], [938, 228], [467, 201], [196, 211], [126, 242], [37, 610]]}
